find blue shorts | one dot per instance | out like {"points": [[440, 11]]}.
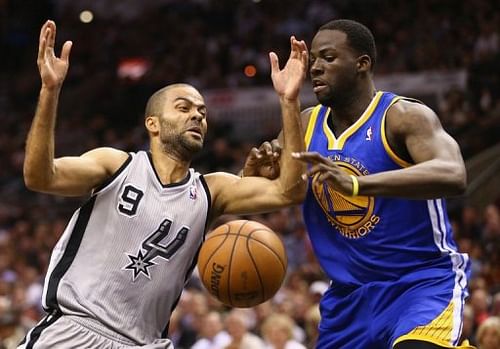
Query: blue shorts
{"points": [[380, 314]]}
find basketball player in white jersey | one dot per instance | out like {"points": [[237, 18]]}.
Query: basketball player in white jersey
{"points": [[120, 266]]}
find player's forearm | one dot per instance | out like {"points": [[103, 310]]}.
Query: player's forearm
{"points": [[293, 141], [39, 157], [427, 180]]}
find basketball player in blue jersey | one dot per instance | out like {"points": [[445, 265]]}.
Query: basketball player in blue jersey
{"points": [[120, 266], [379, 167]]}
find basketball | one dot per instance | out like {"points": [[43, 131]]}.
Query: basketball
{"points": [[242, 263]]}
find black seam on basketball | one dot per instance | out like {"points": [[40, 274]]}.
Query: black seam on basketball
{"points": [[256, 269], [215, 251], [231, 262], [269, 248]]}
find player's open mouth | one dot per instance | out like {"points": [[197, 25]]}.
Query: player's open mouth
{"points": [[318, 85], [196, 131]]}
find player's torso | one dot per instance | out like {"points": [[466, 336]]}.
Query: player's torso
{"points": [[363, 239], [126, 254]]}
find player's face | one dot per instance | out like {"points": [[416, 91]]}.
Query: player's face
{"points": [[184, 123], [333, 66]]}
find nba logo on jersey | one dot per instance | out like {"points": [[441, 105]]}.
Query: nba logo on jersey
{"points": [[192, 192], [369, 134]]}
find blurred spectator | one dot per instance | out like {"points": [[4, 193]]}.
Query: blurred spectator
{"points": [[277, 330], [212, 334], [480, 301], [488, 334], [468, 328], [11, 332], [182, 337], [238, 324]]}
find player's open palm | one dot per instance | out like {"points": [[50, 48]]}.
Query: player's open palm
{"points": [[287, 81], [52, 69]]}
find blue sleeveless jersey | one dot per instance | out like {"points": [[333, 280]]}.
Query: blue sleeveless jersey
{"points": [[362, 241]]}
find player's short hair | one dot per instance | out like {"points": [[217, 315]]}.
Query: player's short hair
{"points": [[154, 106], [359, 36]]}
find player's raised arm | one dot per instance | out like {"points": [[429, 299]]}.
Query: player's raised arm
{"points": [[70, 176], [256, 194]]}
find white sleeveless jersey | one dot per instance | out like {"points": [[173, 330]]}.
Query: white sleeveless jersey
{"points": [[127, 252]]}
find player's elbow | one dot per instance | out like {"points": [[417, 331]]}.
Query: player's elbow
{"points": [[458, 179], [34, 181]]}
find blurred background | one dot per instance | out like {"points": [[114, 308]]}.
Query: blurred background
{"points": [[444, 52]]}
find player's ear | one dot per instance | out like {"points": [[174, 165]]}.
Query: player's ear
{"points": [[152, 124], [364, 64]]}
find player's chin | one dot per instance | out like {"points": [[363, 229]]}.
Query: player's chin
{"points": [[195, 146], [324, 96]]}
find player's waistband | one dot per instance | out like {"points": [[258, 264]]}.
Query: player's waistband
{"points": [[97, 327]]}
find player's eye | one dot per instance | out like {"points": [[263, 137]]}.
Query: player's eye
{"points": [[329, 58], [183, 108]]}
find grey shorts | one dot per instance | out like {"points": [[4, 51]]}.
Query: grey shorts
{"points": [[67, 332]]}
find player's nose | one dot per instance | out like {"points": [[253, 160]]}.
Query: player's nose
{"points": [[197, 116], [315, 68]]}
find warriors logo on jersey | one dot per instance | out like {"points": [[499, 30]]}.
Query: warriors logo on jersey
{"points": [[352, 216]]}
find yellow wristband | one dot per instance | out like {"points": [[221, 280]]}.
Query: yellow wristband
{"points": [[355, 186]]}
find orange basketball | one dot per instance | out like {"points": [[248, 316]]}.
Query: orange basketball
{"points": [[242, 263]]}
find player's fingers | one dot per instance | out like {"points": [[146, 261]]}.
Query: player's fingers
{"points": [[43, 30], [66, 49], [254, 152], [51, 38], [311, 172], [302, 45], [266, 148], [276, 147], [311, 157], [292, 46], [323, 176], [305, 58], [42, 46], [273, 58]]}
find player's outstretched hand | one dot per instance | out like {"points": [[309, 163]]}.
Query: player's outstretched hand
{"points": [[264, 161], [287, 81], [52, 69], [326, 170]]}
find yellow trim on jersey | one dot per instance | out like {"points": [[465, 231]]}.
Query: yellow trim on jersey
{"points": [[311, 124], [438, 331], [387, 147], [464, 345], [338, 143], [328, 132]]}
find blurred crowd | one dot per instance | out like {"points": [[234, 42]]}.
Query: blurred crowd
{"points": [[208, 43]]}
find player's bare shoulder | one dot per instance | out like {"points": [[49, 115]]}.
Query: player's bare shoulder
{"points": [[109, 158], [216, 181], [305, 115], [408, 116]]}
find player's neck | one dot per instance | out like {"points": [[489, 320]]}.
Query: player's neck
{"points": [[354, 106], [169, 168]]}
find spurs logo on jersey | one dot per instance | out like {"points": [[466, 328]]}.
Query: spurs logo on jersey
{"points": [[153, 248], [352, 216]]}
